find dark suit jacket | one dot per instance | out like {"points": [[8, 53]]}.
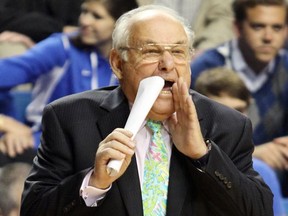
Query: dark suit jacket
{"points": [[74, 126]]}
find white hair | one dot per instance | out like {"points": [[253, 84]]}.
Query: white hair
{"points": [[122, 30]]}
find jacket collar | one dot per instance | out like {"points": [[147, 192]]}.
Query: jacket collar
{"points": [[118, 111]]}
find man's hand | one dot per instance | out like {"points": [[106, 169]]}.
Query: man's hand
{"points": [[16, 136], [184, 125], [8, 36], [14, 144], [117, 145], [274, 153]]}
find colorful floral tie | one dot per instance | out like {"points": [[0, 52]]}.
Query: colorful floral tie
{"points": [[156, 174]]}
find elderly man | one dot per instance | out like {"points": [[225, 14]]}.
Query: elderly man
{"points": [[198, 162]]}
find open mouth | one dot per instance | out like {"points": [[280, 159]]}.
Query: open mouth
{"points": [[167, 87]]}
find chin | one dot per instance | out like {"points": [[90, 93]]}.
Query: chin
{"points": [[161, 111], [164, 102], [88, 41], [158, 116], [266, 58]]}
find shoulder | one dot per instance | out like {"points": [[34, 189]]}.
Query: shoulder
{"points": [[210, 56], [53, 39], [87, 97], [86, 106], [208, 59], [51, 47]]}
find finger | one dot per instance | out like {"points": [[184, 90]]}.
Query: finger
{"points": [[3, 148], [10, 149], [275, 158], [175, 96], [121, 135], [281, 141], [183, 92], [126, 149], [275, 161], [284, 151], [5, 35], [27, 142], [172, 121], [178, 100], [19, 145], [104, 155], [187, 105]]}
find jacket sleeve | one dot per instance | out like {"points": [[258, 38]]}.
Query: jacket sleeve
{"points": [[53, 185], [229, 181]]}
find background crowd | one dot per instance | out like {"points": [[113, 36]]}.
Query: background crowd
{"points": [[50, 49]]}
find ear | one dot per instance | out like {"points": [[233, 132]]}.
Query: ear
{"points": [[116, 63]]}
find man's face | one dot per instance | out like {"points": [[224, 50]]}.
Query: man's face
{"points": [[156, 30], [264, 31]]}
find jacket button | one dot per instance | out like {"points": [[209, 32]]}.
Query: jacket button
{"points": [[221, 177], [229, 185]]}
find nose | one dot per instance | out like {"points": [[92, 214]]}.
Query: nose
{"points": [[268, 35], [85, 18], [166, 62]]}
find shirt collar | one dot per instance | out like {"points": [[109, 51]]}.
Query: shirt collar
{"points": [[252, 80]]}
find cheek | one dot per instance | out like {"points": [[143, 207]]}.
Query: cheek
{"points": [[280, 39], [253, 37], [104, 32]]}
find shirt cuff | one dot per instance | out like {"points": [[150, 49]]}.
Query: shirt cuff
{"points": [[202, 162], [91, 195]]}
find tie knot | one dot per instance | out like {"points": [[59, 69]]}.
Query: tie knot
{"points": [[155, 126]]}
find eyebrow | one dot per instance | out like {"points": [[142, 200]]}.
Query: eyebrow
{"points": [[154, 42]]}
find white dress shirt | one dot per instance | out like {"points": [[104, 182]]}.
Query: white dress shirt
{"points": [[252, 80], [92, 195]]}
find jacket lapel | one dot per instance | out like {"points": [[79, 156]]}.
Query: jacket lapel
{"points": [[129, 186], [117, 109], [178, 185], [117, 114]]}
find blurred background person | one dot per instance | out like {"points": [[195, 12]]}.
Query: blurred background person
{"points": [[12, 178], [257, 56], [225, 86], [64, 64], [7, 205]]}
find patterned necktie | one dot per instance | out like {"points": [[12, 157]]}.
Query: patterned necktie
{"points": [[156, 174]]}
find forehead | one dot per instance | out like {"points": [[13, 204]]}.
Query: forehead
{"points": [[158, 28], [95, 7], [267, 14]]}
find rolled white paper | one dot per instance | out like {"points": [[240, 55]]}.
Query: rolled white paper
{"points": [[148, 91]]}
